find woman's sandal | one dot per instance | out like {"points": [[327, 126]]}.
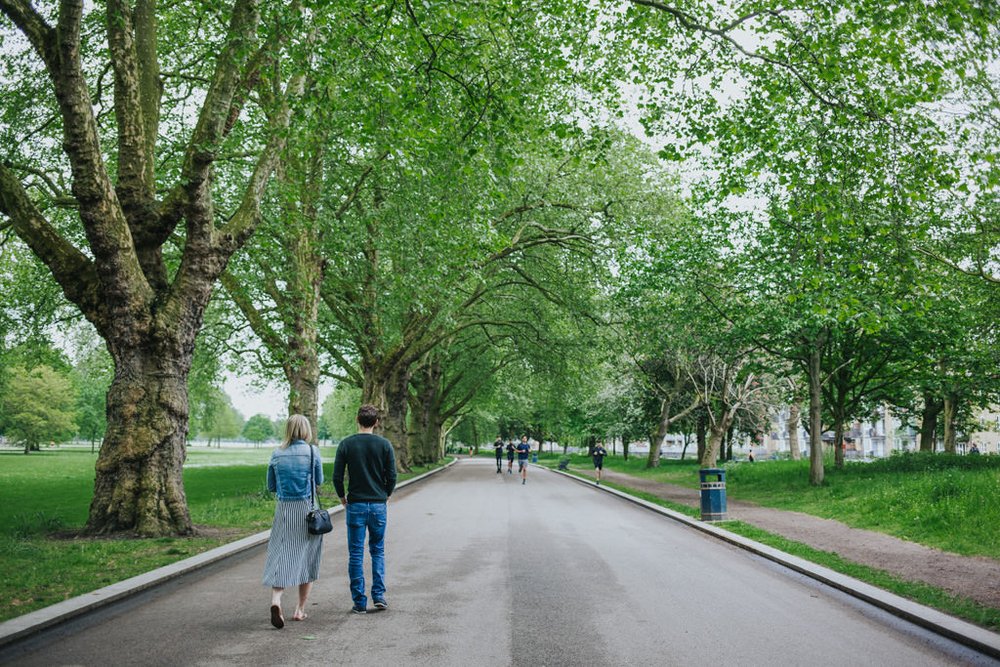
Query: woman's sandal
{"points": [[277, 620]]}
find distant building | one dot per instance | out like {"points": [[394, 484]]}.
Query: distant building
{"points": [[868, 439], [865, 439], [988, 439]]}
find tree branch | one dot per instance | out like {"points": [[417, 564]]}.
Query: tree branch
{"points": [[271, 339], [689, 22], [135, 186], [980, 273], [73, 270]]}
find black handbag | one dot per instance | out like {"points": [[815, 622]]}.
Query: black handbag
{"points": [[318, 519]]}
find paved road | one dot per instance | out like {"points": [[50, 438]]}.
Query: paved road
{"points": [[485, 571]]}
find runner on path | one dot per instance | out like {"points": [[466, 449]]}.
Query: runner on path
{"points": [[598, 454], [498, 450], [510, 457], [523, 449]]}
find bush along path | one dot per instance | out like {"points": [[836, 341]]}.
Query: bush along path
{"points": [[973, 577]]}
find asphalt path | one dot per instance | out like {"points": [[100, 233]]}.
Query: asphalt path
{"points": [[482, 570]]}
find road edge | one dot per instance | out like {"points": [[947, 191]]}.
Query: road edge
{"points": [[963, 632], [22, 627]]}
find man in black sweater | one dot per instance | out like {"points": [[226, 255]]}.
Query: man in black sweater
{"points": [[371, 468]]}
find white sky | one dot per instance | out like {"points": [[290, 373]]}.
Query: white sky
{"points": [[251, 399], [250, 396]]}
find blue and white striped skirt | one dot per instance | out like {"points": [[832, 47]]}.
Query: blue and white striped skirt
{"points": [[293, 554]]}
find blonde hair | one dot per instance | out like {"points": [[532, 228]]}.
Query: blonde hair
{"points": [[297, 428]]}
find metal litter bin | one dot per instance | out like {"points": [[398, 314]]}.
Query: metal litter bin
{"points": [[713, 494]]}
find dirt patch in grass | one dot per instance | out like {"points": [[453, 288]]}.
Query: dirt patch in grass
{"points": [[207, 532], [973, 577], [219, 533]]}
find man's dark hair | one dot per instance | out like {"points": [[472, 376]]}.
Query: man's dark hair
{"points": [[367, 415]]}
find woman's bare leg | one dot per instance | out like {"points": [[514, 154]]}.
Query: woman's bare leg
{"points": [[300, 610]]}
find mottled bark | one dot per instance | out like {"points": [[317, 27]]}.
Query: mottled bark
{"points": [[794, 418], [388, 390], [302, 360], [425, 417], [816, 470], [950, 407], [303, 387], [656, 442], [701, 436], [838, 444], [716, 434], [928, 422], [138, 486], [427, 445]]}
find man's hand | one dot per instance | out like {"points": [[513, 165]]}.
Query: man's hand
{"points": [[343, 501]]}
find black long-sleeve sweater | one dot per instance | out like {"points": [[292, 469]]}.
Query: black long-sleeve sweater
{"points": [[371, 466]]}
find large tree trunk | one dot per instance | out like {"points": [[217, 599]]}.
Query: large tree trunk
{"points": [[653, 459], [838, 443], [816, 471], [950, 408], [794, 417], [304, 284], [302, 363], [701, 436], [139, 485], [426, 444], [389, 392], [716, 434], [928, 422], [426, 423], [303, 391], [425, 415]]}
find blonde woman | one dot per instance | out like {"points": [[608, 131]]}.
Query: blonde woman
{"points": [[293, 554]]}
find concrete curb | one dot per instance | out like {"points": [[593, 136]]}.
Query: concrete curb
{"points": [[963, 632], [36, 621]]}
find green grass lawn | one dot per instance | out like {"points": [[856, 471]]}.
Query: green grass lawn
{"points": [[948, 502], [46, 496]]}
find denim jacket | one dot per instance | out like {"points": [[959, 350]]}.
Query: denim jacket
{"points": [[288, 471]]}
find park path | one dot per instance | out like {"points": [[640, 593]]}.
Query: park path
{"points": [[974, 577], [483, 571]]}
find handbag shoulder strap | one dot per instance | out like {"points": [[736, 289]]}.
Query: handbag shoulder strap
{"points": [[312, 482]]}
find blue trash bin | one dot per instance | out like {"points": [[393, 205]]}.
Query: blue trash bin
{"points": [[713, 494], [534, 457]]}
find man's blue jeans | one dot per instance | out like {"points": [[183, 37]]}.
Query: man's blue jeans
{"points": [[362, 517]]}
